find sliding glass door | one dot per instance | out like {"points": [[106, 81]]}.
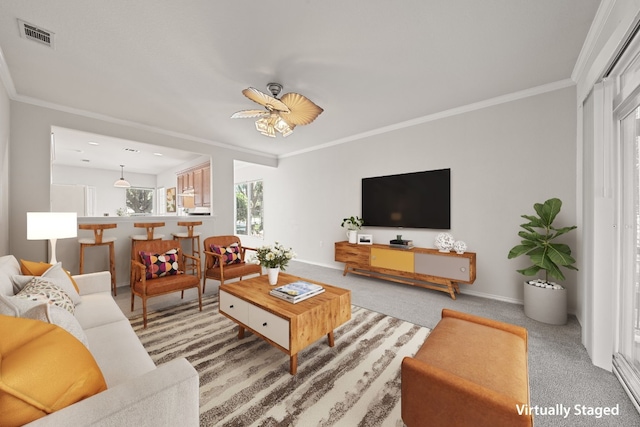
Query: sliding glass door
{"points": [[627, 122]]}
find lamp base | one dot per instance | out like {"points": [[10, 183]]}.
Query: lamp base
{"points": [[53, 252]]}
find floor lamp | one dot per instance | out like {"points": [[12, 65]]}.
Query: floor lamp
{"points": [[52, 226]]}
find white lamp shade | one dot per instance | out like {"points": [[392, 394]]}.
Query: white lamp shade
{"points": [[51, 225], [122, 183]]}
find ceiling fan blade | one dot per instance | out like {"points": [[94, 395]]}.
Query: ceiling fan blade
{"points": [[266, 100], [302, 111], [250, 114]]}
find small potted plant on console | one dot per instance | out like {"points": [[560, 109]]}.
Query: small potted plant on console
{"points": [[544, 300], [353, 224]]}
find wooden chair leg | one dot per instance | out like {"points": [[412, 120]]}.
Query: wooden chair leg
{"points": [[132, 297], [200, 298], [144, 312], [81, 258], [204, 283]]}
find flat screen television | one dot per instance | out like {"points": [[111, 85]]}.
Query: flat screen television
{"points": [[409, 200]]}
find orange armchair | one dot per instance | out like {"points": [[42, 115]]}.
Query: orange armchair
{"points": [[218, 267], [145, 282]]}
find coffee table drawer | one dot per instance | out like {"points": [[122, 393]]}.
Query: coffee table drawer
{"points": [[269, 325], [234, 307]]}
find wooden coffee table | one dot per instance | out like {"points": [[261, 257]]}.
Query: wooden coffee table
{"points": [[288, 327]]}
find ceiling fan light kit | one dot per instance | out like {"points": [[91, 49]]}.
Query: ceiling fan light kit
{"points": [[280, 115]]}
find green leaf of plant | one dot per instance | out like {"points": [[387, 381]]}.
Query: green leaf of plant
{"points": [[560, 254], [531, 271], [548, 210], [554, 271], [534, 237], [519, 250], [561, 231], [534, 221]]}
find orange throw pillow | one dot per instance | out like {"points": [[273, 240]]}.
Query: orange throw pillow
{"points": [[43, 369], [35, 268]]}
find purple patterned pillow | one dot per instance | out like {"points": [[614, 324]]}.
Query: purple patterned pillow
{"points": [[230, 254], [159, 265]]}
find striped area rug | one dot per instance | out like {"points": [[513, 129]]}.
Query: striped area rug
{"points": [[247, 382]]}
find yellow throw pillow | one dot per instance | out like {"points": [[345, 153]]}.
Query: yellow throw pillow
{"points": [[43, 369], [38, 268]]}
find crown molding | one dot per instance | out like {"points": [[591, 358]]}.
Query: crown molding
{"points": [[8, 83], [550, 87], [135, 125], [595, 31]]}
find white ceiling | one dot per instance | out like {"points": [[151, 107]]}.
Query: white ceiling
{"points": [[180, 66], [81, 149]]}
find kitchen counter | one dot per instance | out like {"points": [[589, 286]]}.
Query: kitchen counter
{"points": [[97, 258]]}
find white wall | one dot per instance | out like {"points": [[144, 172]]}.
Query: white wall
{"points": [[503, 159], [4, 171], [109, 198], [30, 170]]}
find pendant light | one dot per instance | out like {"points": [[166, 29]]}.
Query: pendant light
{"points": [[122, 183]]}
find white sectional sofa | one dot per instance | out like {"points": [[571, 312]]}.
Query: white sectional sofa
{"points": [[138, 393]]}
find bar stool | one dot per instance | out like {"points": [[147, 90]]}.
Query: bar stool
{"points": [[190, 235], [150, 226], [99, 240]]}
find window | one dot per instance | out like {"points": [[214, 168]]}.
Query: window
{"points": [[139, 201], [249, 213]]}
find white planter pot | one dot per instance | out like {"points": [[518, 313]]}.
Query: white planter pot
{"points": [[353, 236], [273, 275], [545, 305]]}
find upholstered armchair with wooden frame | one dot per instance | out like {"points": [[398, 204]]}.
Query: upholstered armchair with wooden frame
{"points": [[145, 282], [228, 264]]}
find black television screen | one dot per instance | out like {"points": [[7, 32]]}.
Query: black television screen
{"points": [[410, 200]]}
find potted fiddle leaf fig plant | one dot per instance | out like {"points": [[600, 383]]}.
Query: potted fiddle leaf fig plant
{"points": [[353, 224], [544, 300]]}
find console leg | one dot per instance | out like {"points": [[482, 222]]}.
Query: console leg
{"points": [[330, 338], [293, 364], [240, 332], [451, 287]]}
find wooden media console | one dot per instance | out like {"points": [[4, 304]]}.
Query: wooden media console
{"points": [[424, 267]]}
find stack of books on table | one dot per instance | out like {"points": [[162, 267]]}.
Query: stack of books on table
{"points": [[402, 244], [296, 291]]}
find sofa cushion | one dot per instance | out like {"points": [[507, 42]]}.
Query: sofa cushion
{"points": [[98, 309], [118, 352], [34, 268], [160, 265], [9, 267], [44, 369], [43, 290]]}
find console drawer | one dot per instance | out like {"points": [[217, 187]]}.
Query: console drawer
{"points": [[454, 268], [235, 307], [269, 325]]}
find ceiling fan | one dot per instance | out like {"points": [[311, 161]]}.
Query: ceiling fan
{"points": [[281, 115]]}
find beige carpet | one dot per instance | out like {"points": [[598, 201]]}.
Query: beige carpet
{"points": [[247, 382]]}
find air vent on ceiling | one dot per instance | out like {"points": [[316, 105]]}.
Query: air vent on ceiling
{"points": [[40, 35]]}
